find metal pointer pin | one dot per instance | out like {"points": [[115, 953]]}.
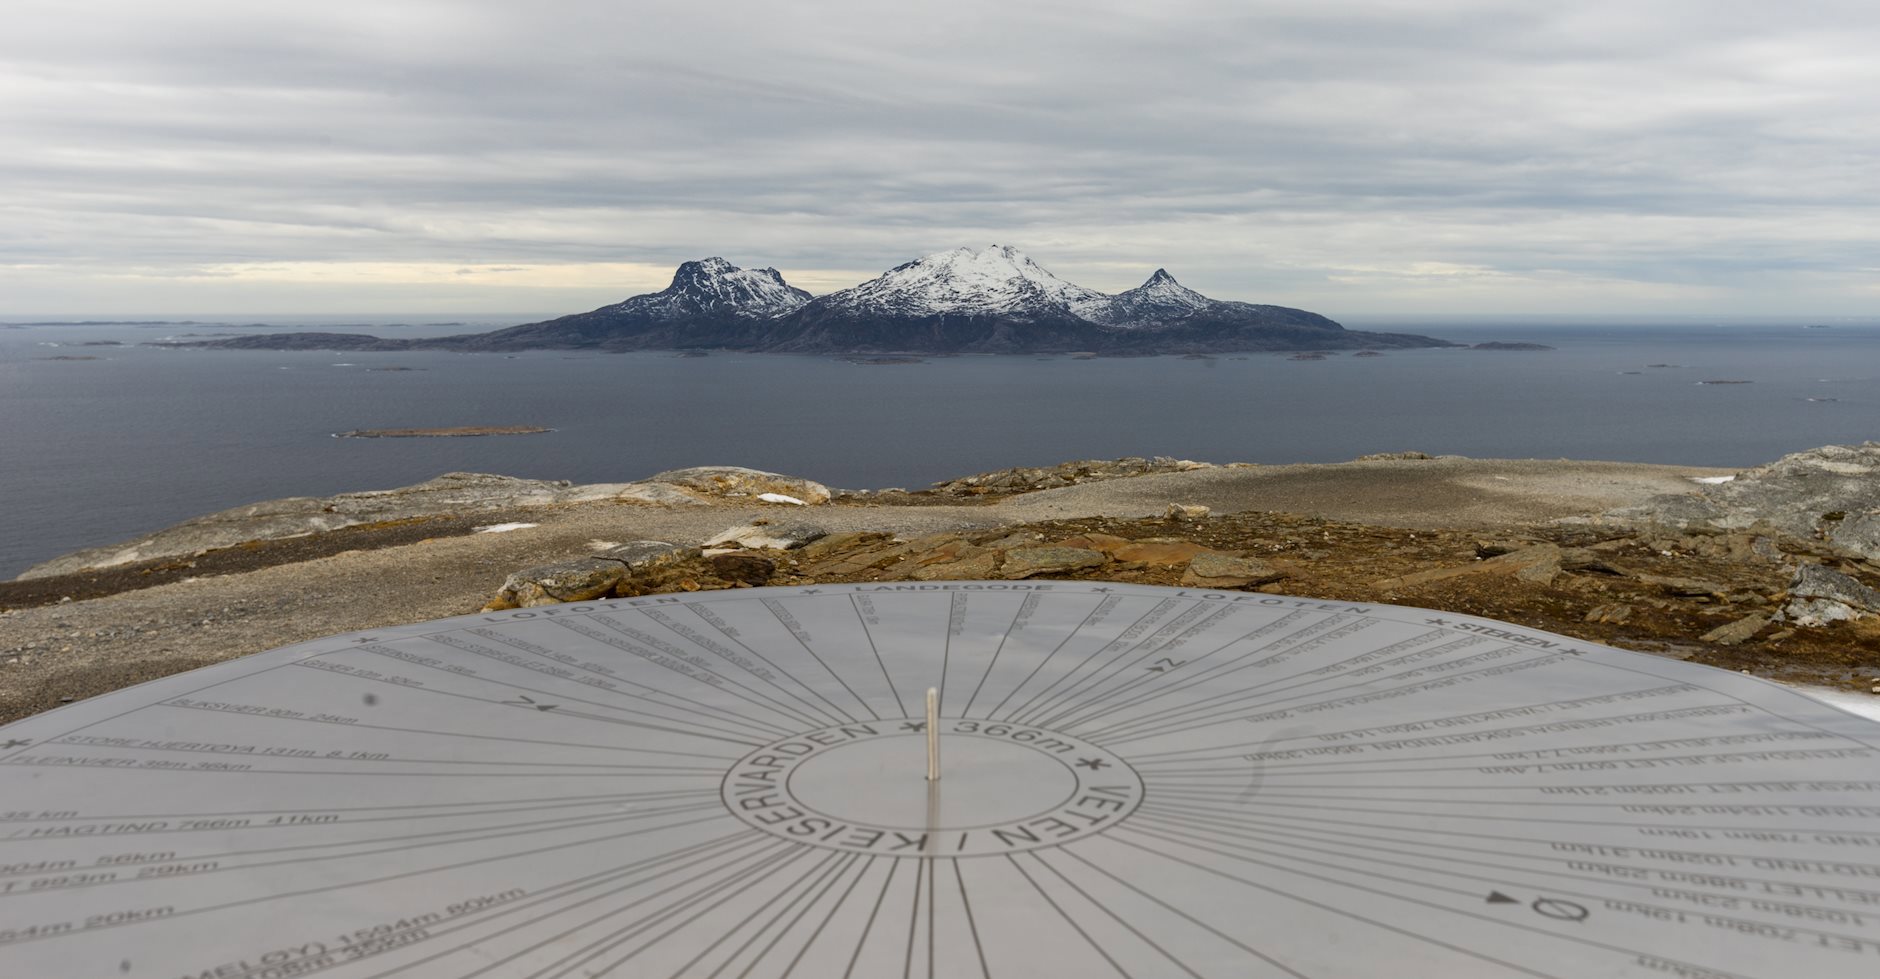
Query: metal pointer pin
{"points": [[933, 734]]}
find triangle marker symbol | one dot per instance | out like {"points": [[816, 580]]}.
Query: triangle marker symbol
{"points": [[1497, 897]]}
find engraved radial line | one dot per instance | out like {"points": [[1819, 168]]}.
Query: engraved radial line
{"points": [[972, 927], [956, 612], [1471, 835], [622, 766], [687, 706], [464, 734], [1146, 727], [1238, 762], [733, 883], [1439, 862], [913, 919], [821, 868], [568, 822], [1461, 892], [1191, 919], [1211, 842], [1310, 631], [738, 736], [869, 927], [932, 872], [731, 685], [1178, 629], [1009, 694], [801, 887], [885, 675], [1119, 919], [834, 909], [610, 678], [1213, 673], [1067, 918], [1203, 777], [1680, 688], [1030, 603], [1086, 703], [232, 854], [659, 616], [1022, 709], [723, 848], [1089, 705], [187, 693], [833, 878], [404, 847], [1268, 698], [1340, 911], [1046, 701], [398, 876], [772, 609], [655, 695], [573, 800], [834, 714], [1655, 676], [1404, 647]]}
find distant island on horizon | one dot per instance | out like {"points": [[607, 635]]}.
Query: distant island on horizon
{"points": [[993, 300]]}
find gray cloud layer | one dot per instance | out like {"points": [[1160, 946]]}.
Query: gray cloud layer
{"points": [[1352, 155]]}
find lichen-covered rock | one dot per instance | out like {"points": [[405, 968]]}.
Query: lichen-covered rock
{"points": [[658, 494], [642, 554], [564, 581], [1032, 479], [971, 568], [739, 482], [1023, 562], [742, 567], [1214, 569], [1160, 553], [778, 537], [1831, 493], [1537, 564], [1740, 631], [1818, 596], [452, 493]]}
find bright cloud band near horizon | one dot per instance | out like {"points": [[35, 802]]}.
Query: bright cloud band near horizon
{"points": [[1348, 156]]}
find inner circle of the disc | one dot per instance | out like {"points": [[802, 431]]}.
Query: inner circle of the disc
{"points": [[883, 782]]}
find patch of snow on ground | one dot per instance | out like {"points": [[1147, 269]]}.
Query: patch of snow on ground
{"points": [[1865, 704], [1711, 480], [780, 498], [504, 528]]}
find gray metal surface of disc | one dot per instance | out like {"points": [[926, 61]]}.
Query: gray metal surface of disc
{"points": [[1135, 781]]}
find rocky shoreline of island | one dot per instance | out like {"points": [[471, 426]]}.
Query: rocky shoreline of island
{"points": [[460, 431]]}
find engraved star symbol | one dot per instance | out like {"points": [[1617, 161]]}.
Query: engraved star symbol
{"points": [[1100, 589], [914, 726], [1435, 621], [15, 743], [365, 639], [1092, 763]]}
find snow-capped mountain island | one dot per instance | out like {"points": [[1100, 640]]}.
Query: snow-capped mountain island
{"points": [[989, 300]]}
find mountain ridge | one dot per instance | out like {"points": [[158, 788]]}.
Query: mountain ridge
{"points": [[990, 300]]}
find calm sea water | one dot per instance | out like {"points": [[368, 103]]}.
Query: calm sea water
{"points": [[95, 451]]}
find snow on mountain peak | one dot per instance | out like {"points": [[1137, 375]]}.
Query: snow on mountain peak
{"points": [[713, 285], [994, 279], [1159, 299]]}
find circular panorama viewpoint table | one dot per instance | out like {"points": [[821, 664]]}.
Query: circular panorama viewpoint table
{"points": [[1135, 781]]}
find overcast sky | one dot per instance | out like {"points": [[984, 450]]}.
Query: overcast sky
{"points": [[1355, 157]]}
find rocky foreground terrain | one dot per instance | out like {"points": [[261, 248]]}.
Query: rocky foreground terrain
{"points": [[1771, 571]]}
